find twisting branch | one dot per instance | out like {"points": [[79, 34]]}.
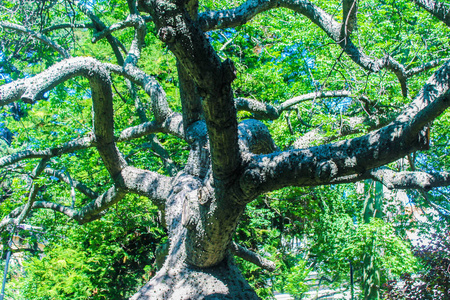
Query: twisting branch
{"points": [[164, 116], [240, 15], [100, 26], [131, 21], [38, 36], [173, 125], [268, 111], [90, 211], [152, 185], [31, 89], [69, 147], [324, 164], [349, 9], [19, 214], [252, 257], [71, 182]]}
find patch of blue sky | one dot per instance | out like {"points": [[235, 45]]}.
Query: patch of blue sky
{"points": [[89, 4]]}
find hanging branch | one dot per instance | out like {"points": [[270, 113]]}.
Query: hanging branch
{"points": [[38, 36]]}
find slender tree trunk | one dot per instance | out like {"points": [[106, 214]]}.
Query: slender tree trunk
{"points": [[373, 208]]}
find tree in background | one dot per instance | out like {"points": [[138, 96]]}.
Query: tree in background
{"points": [[433, 281], [259, 97]]}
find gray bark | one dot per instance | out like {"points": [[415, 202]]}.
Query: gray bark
{"points": [[230, 163]]}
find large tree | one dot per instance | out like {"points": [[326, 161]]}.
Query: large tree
{"points": [[231, 160]]}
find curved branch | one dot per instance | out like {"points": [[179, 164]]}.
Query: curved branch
{"points": [[33, 88], [254, 137], [425, 67], [71, 182], [335, 30], [410, 180], [311, 96], [150, 184], [260, 109], [131, 21], [349, 9], [40, 37], [212, 20], [100, 26], [19, 214], [252, 257], [160, 105], [173, 125], [78, 144], [323, 164], [271, 112], [90, 211]]}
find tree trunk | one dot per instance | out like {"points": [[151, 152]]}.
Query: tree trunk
{"points": [[178, 279]]}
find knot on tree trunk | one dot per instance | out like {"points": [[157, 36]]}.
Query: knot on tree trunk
{"points": [[166, 34], [326, 170]]}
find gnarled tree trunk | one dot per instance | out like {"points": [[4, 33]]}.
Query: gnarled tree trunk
{"points": [[178, 279], [230, 163]]}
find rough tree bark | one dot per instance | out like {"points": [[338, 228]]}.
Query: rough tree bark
{"points": [[230, 163]]}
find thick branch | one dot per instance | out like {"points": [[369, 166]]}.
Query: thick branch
{"points": [[252, 257], [31, 89], [254, 137], [38, 36], [410, 180], [438, 9], [335, 30], [212, 20], [152, 185], [323, 164], [213, 78]]}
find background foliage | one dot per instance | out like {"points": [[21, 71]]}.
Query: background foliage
{"points": [[279, 55]]}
